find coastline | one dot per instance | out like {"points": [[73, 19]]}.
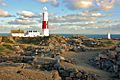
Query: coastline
{"points": [[114, 36]]}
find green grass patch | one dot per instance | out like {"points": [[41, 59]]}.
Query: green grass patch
{"points": [[1, 48], [8, 47]]}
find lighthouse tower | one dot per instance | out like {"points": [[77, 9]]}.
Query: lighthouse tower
{"points": [[109, 35], [45, 30]]}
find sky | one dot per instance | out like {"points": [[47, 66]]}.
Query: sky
{"points": [[65, 16]]}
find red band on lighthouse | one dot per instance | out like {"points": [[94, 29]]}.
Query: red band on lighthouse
{"points": [[45, 25]]}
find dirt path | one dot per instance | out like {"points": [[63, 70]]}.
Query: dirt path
{"points": [[82, 60]]}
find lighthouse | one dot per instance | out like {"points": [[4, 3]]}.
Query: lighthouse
{"points": [[109, 35], [45, 30]]}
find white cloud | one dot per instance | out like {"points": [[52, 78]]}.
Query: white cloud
{"points": [[43, 1], [77, 4], [4, 13], [26, 14], [53, 2], [80, 17], [21, 21], [106, 4], [2, 3], [92, 14], [96, 14]]}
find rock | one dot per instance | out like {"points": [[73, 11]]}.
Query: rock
{"points": [[57, 66], [103, 56], [43, 60], [59, 58], [72, 74], [109, 60], [112, 54], [68, 78], [117, 49], [62, 50], [78, 74], [118, 62], [115, 68], [118, 75], [65, 74]]}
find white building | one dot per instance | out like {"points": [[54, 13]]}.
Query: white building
{"points": [[32, 34]]}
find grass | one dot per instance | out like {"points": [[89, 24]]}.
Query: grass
{"points": [[32, 40], [7, 39], [7, 46], [1, 48], [6, 49]]}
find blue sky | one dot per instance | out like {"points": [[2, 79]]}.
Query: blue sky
{"points": [[65, 16]]}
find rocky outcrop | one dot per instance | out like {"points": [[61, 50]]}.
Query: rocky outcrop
{"points": [[109, 60], [46, 54], [16, 59], [63, 70]]}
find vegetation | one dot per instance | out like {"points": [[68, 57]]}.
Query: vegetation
{"points": [[8, 46], [7, 39], [32, 40], [1, 48]]}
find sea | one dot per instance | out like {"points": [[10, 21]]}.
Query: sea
{"points": [[113, 36]]}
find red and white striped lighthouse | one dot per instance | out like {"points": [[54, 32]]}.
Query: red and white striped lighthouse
{"points": [[45, 22]]}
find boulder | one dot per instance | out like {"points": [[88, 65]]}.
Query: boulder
{"points": [[103, 56], [79, 74], [117, 49], [112, 54], [43, 60], [65, 73], [68, 78]]}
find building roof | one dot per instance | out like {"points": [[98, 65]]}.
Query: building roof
{"points": [[17, 31]]}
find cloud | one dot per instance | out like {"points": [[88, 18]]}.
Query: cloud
{"points": [[4, 13], [22, 21], [106, 4], [43, 1], [117, 2], [103, 4], [53, 2], [77, 4], [27, 14], [74, 22], [2, 3], [92, 14], [80, 17], [82, 23]]}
